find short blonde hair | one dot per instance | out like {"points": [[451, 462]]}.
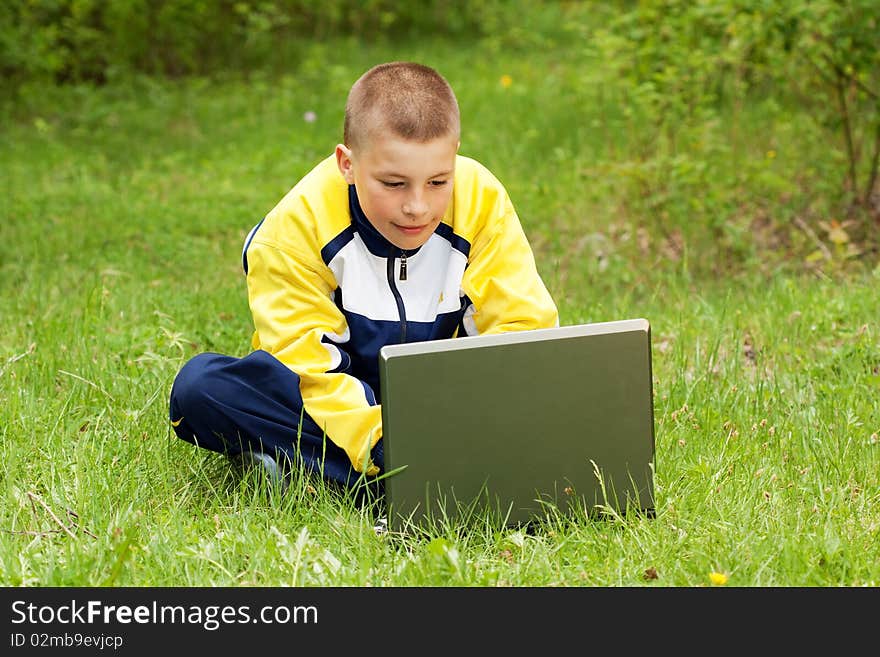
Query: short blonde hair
{"points": [[410, 100]]}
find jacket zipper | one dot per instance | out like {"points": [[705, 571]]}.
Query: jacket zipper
{"points": [[397, 298]]}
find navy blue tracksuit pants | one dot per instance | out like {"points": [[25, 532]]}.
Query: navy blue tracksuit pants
{"points": [[230, 405]]}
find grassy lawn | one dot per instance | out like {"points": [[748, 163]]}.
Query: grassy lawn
{"points": [[122, 218]]}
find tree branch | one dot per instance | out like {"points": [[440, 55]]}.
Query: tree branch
{"points": [[36, 499], [875, 161], [847, 130], [850, 78], [800, 223]]}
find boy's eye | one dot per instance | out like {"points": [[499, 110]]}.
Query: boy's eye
{"points": [[391, 184], [438, 183]]}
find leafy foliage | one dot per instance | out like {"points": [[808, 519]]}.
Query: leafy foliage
{"points": [[97, 40], [680, 66]]}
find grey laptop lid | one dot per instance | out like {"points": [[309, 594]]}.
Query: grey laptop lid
{"points": [[519, 424]]}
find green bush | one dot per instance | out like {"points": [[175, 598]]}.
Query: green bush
{"points": [[93, 40], [680, 67]]}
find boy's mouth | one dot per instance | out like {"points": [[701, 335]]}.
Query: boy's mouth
{"points": [[410, 230]]}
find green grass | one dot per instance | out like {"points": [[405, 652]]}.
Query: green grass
{"points": [[123, 213]]}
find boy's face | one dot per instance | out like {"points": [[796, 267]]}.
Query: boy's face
{"points": [[404, 187]]}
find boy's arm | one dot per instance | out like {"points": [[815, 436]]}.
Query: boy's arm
{"points": [[502, 280], [296, 320]]}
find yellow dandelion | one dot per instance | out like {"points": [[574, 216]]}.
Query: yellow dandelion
{"points": [[718, 579], [506, 81], [771, 154]]}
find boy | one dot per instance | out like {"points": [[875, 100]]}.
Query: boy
{"points": [[394, 238]]}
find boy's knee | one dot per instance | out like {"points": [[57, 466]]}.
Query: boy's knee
{"points": [[197, 397], [192, 383]]}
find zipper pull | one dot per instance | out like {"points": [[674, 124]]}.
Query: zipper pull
{"points": [[402, 266]]}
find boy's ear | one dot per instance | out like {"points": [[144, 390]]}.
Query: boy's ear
{"points": [[343, 161]]}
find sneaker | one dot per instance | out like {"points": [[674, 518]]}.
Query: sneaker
{"points": [[261, 461]]}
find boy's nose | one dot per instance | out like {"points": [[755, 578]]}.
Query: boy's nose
{"points": [[415, 207]]}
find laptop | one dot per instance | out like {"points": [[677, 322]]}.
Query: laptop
{"points": [[519, 426]]}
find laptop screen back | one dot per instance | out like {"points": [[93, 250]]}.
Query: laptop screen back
{"points": [[519, 424]]}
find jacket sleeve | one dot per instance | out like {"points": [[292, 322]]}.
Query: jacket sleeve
{"points": [[296, 320], [501, 279]]}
